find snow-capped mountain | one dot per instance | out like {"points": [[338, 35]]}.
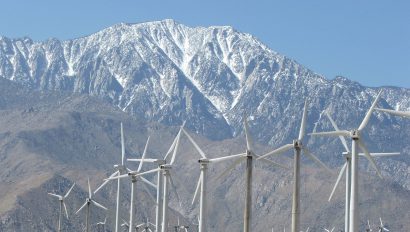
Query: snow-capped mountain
{"points": [[166, 72]]}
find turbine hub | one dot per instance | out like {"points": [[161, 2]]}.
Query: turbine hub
{"points": [[354, 134], [203, 161], [297, 144], [166, 167]]}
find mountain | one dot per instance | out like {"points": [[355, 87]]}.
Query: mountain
{"points": [[62, 101]]}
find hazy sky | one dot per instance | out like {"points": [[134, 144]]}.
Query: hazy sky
{"points": [[367, 41]]}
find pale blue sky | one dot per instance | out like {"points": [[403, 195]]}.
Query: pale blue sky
{"points": [[367, 41]]}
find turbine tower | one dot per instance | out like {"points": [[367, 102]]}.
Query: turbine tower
{"points": [[202, 181], [356, 138], [159, 186], [62, 205], [134, 177], [298, 147], [346, 168], [120, 170], [88, 202], [249, 155]]}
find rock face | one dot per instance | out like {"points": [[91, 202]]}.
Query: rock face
{"points": [[165, 72]]}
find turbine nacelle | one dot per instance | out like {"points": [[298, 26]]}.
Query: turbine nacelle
{"points": [[297, 144], [204, 161], [355, 134]]}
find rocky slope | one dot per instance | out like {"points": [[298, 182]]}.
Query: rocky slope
{"points": [[164, 72]]}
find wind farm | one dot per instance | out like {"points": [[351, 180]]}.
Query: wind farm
{"points": [[163, 169], [159, 126]]}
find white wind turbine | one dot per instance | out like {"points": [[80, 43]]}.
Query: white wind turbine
{"points": [[178, 227], [327, 230], [368, 229], [298, 147], [249, 155], [160, 185], [120, 170], [102, 224], [201, 186], [133, 175], [381, 227], [62, 205], [88, 202], [346, 168], [146, 226], [356, 138]]}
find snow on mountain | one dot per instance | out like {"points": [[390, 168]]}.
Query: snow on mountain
{"points": [[167, 72]]}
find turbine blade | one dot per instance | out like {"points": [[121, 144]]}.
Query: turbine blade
{"points": [[143, 155], [331, 133], [98, 204], [148, 172], [395, 112], [89, 188], [196, 190], [278, 151], [122, 145], [303, 123], [171, 148], [267, 161], [145, 160], [314, 158], [117, 177], [369, 112], [54, 195], [65, 210], [342, 171], [148, 182], [81, 208], [175, 148], [230, 167], [106, 181], [381, 154], [248, 136], [219, 159], [194, 144], [69, 191], [369, 157], [342, 139]]}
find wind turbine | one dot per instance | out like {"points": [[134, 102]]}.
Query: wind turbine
{"points": [[346, 168], [298, 147], [120, 170], [160, 185], [201, 185], [125, 225], [381, 227], [369, 229], [102, 223], [179, 227], [62, 205], [134, 177], [395, 112], [327, 230], [146, 226], [88, 202], [356, 138]]}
